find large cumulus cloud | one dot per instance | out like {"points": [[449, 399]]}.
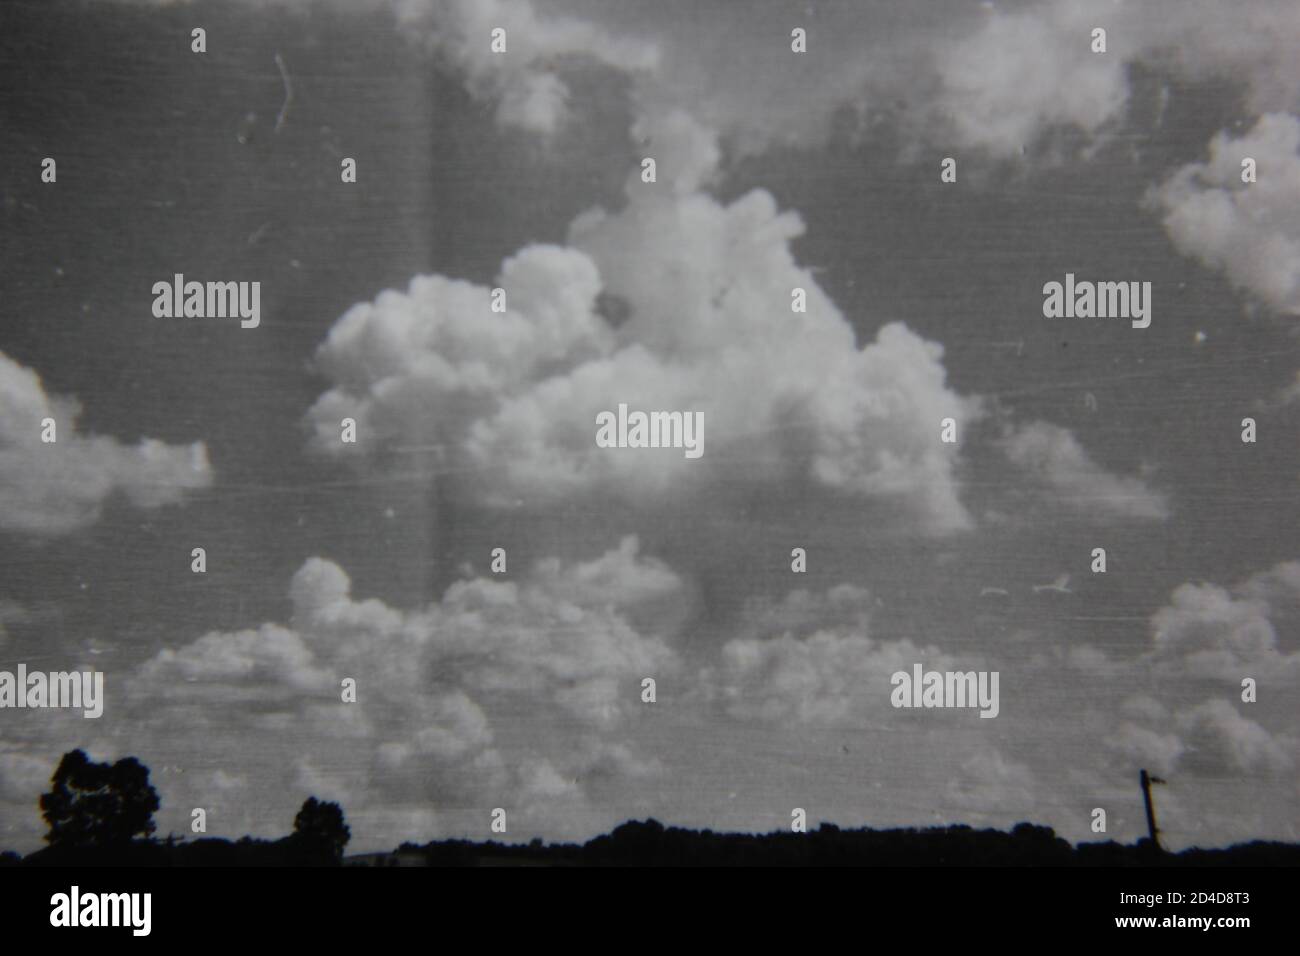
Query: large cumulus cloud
{"points": [[508, 402]]}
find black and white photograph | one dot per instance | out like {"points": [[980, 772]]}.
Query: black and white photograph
{"points": [[650, 433]]}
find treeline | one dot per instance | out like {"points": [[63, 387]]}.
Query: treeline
{"points": [[204, 852], [649, 843], [101, 814]]}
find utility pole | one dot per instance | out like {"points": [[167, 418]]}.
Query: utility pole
{"points": [[1147, 780]]}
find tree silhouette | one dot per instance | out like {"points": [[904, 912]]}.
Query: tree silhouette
{"points": [[320, 824], [97, 804]]}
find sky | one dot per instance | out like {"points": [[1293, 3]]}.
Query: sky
{"points": [[775, 170]]}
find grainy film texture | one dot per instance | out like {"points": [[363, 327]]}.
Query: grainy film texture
{"points": [[429, 420]]}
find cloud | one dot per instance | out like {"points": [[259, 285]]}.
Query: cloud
{"points": [[621, 578], [503, 693], [526, 81], [826, 678], [509, 401], [1205, 639], [11, 612], [1141, 746], [59, 487], [519, 693], [988, 783], [1248, 231], [1028, 70], [1252, 44], [238, 665], [989, 77], [844, 606], [1212, 633], [499, 409], [1054, 456], [22, 775], [1221, 742], [1289, 394], [811, 661], [993, 78]]}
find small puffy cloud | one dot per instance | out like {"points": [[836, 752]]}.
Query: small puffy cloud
{"points": [[810, 667], [825, 678], [1054, 456], [989, 783], [1027, 70], [1213, 633], [526, 81], [22, 774], [59, 487], [11, 612], [621, 578], [506, 404], [1093, 661], [242, 664], [1248, 231], [1205, 639], [686, 149], [1279, 588], [1289, 394], [1140, 746], [1252, 44], [844, 606], [1143, 707], [540, 782], [1221, 742]]}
